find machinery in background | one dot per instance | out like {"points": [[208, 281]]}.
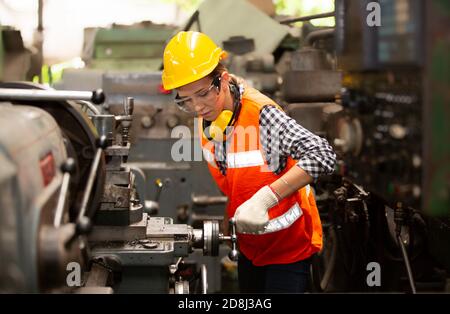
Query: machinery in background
{"points": [[138, 47], [311, 82], [16, 61], [69, 198], [258, 70], [389, 202]]}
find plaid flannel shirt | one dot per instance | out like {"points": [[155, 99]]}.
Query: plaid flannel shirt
{"points": [[281, 136]]}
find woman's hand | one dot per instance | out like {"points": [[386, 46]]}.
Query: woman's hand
{"points": [[251, 216]]}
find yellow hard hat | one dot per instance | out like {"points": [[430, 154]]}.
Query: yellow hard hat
{"points": [[188, 57]]}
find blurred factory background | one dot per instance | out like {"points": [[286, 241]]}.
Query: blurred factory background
{"points": [[87, 176]]}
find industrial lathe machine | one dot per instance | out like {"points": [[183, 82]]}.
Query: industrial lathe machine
{"points": [[73, 218]]}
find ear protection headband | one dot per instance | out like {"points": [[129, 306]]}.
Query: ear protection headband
{"points": [[216, 130]]}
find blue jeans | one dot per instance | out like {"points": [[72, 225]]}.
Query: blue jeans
{"points": [[277, 278]]}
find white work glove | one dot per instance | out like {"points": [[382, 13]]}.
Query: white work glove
{"points": [[252, 217]]}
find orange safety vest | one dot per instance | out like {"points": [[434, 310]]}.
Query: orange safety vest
{"points": [[296, 219]]}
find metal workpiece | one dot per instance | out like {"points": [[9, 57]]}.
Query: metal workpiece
{"points": [[150, 207], [206, 200]]}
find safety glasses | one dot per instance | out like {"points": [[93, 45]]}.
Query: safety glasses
{"points": [[186, 104]]}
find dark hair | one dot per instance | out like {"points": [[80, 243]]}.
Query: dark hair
{"points": [[218, 70]]}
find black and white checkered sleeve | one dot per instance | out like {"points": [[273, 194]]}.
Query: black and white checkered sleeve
{"points": [[285, 137]]}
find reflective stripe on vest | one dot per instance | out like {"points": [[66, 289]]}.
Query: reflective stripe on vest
{"points": [[308, 190], [209, 157], [245, 159], [284, 221]]}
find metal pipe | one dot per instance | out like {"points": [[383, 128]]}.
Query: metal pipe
{"points": [[96, 97], [223, 238], [408, 266], [307, 18], [205, 200]]}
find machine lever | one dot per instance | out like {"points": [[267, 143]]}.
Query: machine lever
{"points": [[84, 224], [159, 186], [68, 168], [174, 267], [101, 145]]}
